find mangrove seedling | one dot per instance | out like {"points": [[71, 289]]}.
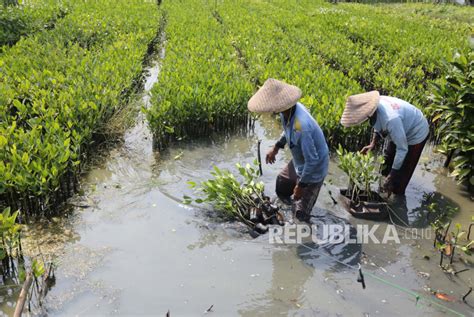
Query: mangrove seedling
{"points": [[362, 170], [447, 242], [10, 247], [240, 198], [453, 112], [457, 241]]}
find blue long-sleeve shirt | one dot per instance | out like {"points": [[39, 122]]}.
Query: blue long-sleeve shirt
{"points": [[403, 123], [307, 144]]}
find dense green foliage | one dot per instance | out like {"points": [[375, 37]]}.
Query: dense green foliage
{"points": [[388, 52], [453, 109], [454, 15], [329, 51], [22, 20], [202, 86], [59, 87]]}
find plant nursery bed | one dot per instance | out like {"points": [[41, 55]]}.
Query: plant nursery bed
{"points": [[375, 209]]}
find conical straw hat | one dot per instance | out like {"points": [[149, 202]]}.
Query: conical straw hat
{"points": [[274, 96], [359, 108]]}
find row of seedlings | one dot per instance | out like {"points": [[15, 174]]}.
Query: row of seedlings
{"points": [[59, 88]]}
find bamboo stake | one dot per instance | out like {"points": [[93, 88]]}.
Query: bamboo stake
{"points": [[20, 304], [259, 158]]}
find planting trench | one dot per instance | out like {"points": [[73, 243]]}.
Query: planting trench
{"points": [[130, 247]]}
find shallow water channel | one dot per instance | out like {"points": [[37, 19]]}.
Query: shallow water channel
{"points": [[130, 246]]}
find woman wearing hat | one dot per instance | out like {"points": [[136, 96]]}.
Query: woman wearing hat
{"points": [[303, 176], [402, 123]]}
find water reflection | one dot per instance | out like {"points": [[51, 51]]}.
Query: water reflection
{"points": [[286, 290], [330, 256], [294, 266], [422, 215]]}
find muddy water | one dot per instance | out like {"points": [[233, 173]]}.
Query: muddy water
{"points": [[131, 247]]}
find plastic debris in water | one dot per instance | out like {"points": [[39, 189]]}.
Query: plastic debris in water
{"points": [[445, 297], [424, 274]]}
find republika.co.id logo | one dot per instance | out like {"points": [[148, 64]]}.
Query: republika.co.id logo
{"points": [[342, 233]]}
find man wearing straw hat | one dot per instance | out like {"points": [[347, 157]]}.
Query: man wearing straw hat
{"points": [[303, 176], [402, 123]]}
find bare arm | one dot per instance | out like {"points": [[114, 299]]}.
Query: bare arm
{"points": [[373, 143]]}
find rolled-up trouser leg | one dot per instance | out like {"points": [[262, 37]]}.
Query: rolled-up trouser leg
{"points": [[304, 205], [286, 182]]}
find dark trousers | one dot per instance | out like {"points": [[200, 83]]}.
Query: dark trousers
{"points": [[285, 184], [408, 166]]}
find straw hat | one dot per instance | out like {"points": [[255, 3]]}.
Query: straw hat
{"points": [[359, 108], [274, 96]]}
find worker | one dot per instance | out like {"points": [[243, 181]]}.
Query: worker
{"points": [[402, 123], [303, 176]]}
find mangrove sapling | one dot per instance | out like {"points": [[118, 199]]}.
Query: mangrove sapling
{"points": [[238, 199], [362, 170], [446, 241], [37, 280], [10, 240], [13, 265], [441, 226], [453, 110], [359, 199], [12, 260], [455, 240]]}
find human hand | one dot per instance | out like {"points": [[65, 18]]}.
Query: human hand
{"points": [[271, 155], [366, 149]]}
